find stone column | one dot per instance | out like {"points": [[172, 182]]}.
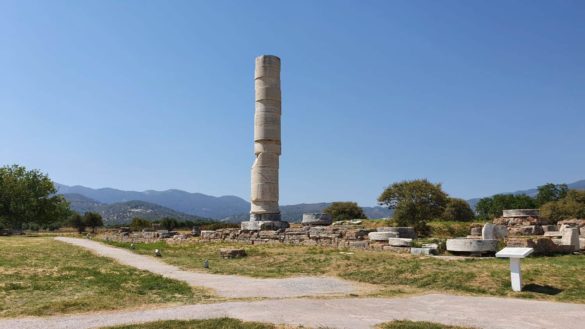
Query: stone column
{"points": [[265, 213]]}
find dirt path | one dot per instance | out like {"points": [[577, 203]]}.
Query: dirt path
{"points": [[232, 286], [356, 313]]}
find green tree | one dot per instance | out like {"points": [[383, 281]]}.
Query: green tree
{"points": [[169, 223], [138, 224], [458, 210], [344, 211], [415, 202], [492, 207], [29, 196], [93, 220], [551, 192], [77, 222], [570, 206]]}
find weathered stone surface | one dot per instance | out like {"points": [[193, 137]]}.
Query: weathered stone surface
{"points": [[476, 231], [209, 235], [549, 228], [541, 245], [422, 251], [487, 232], [402, 232], [400, 242], [396, 249], [316, 219], [571, 238], [358, 244], [472, 246], [521, 213], [519, 221], [526, 230], [582, 243], [381, 236], [232, 253], [554, 234], [263, 225]]}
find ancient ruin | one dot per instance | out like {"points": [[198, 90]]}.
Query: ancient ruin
{"points": [[265, 213]]}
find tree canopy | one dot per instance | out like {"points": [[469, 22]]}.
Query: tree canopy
{"points": [[458, 210], [572, 205], [93, 220], [345, 211], [415, 202], [28, 196], [492, 207], [551, 192]]}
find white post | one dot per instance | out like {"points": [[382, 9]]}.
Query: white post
{"points": [[515, 274]]}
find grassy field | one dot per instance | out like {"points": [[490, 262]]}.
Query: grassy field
{"points": [[416, 325], [559, 278], [40, 276]]}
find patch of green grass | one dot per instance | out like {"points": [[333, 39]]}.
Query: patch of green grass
{"points": [[416, 325], [41, 276], [222, 323], [560, 278]]}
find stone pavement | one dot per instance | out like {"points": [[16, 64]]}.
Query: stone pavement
{"points": [[350, 313]]}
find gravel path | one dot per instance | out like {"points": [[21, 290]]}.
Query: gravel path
{"points": [[233, 286], [356, 313]]}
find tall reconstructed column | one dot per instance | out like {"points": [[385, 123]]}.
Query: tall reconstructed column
{"points": [[265, 213]]}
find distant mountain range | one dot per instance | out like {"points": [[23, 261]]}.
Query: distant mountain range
{"points": [[578, 185], [123, 212], [118, 206], [226, 208]]}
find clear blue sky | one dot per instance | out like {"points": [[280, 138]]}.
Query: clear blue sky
{"points": [[482, 96]]}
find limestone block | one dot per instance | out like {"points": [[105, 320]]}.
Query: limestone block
{"points": [[381, 236], [400, 242], [553, 234], [582, 243], [526, 230], [422, 251], [401, 250], [521, 213], [358, 244], [476, 231], [571, 238], [549, 228], [208, 234]]}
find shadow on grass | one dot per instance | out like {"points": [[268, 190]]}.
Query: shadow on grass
{"points": [[547, 290]]}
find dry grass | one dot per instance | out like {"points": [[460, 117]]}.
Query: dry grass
{"points": [[221, 323], [560, 278], [40, 276]]}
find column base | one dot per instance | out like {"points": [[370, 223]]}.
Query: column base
{"points": [[259, 222]]}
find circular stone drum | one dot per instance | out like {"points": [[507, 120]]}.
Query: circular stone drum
{"points": [[472, 246], [401, 232], [316, 219]]}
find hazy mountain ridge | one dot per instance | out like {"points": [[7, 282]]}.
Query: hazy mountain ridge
{"points": [[196, 204], [123, 212], [189, 206]]}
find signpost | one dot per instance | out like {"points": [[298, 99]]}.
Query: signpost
{"points": [[515, 255]]}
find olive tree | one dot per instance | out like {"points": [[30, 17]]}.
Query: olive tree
{"points": [[344, 211], [29, 196], [415, 202]]}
